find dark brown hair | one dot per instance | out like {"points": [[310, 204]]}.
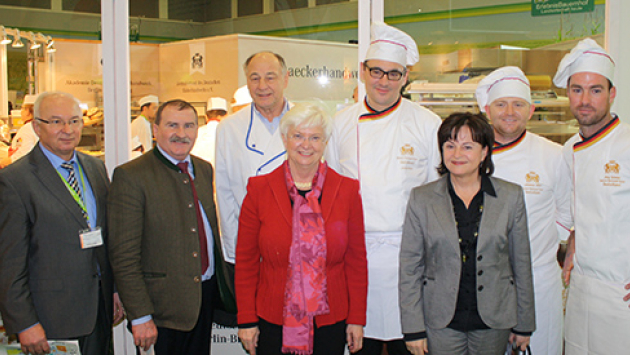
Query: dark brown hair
{"points": [[480, 130], [179, 104]]}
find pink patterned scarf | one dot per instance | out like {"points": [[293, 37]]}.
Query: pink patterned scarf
{"points": [[305, 294]]}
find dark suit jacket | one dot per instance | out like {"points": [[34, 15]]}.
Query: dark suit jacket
{"points": [[265, 238], [430, 261], [154, 244], [45, 276]]}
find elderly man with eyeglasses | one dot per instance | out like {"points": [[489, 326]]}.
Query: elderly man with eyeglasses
{"points": [[55, 280], [390, 145]]}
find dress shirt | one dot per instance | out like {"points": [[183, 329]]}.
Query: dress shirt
{"points": [[467, 316], [87, 194], [272, 125], [206, 224]]}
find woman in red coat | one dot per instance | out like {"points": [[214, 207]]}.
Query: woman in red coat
{"points": [[301, 269]]}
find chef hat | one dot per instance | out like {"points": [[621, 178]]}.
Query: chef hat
{"points": [[503, 82], [149, 99], [241, 97], [393, 45], [29, 99], [216, 103], [587, 56]]}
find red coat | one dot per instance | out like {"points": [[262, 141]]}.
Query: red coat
{"points": [[264, 240]]}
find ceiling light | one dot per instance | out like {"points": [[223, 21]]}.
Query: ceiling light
{"points": [[33, 40], [17, 41], [50, 47], [4, 39]]}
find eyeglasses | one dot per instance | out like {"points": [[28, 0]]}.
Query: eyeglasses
{"points": [[59, 124], [377, 73], [300, 138]]}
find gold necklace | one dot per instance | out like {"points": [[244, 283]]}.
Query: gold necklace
{"points": [[304, 186]]}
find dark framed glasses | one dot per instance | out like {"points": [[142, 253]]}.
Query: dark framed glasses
{"points": [[377, 73]]}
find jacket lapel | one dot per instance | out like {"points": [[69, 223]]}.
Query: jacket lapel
{"points": [[329, 192], [492, 208], [268, 146], [50, 180], [443, 209], [278, 185]]}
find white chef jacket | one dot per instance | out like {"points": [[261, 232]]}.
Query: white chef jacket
{"points": [[24, 141], [244, 148], [390, 152], [206, 142], [600, 169], [536, 164], [141, 128]]}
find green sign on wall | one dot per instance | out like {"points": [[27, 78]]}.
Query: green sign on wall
{"points": [[557, 7]]}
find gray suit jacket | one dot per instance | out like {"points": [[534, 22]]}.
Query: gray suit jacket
{"points": [[45, 276], [430, 262], [154, 244]]}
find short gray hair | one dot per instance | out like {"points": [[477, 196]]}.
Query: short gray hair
{"points": [[43, 96], [307, 115], [281, 61]]}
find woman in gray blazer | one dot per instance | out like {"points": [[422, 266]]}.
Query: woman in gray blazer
{"points": [[465, 271]]}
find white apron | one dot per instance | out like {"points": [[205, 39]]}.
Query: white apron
{"points": [[390, 153], [597, 319], [244, 148], [536, 164]]}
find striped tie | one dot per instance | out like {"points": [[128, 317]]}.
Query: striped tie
{"points": [[72, 181]]}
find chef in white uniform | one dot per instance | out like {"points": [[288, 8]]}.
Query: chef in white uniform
{"points": [[141, 125], [25, 138], [536, 164], [598, 314], [249, 142], [216, 110], [390, 144]]}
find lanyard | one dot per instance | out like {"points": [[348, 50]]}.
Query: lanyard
{"points": [[77, 198]]}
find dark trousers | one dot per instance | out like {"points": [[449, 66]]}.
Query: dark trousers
{"points": [[99, 341], [197, 340], [328, 340], [375, 347]]}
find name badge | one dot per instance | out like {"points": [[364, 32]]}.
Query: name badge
{"points": [[91, 238]]}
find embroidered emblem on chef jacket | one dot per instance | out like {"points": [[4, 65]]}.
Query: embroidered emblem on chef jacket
{"points": [[532, 177], [407, 158], [532, 185], [611, 175], [406, 150], [612, 167]]}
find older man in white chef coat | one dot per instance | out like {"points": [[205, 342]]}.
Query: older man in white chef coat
{"points": [[390, 145], [249, 142], [536, 164], [598, 257]]}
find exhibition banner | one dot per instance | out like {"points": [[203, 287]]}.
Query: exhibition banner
{"points": [[196, 70], [78, 70], [558, 7], [197, 56]]}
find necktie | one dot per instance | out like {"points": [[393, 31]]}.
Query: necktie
{"points": [[203, 241], [72, 181]]}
